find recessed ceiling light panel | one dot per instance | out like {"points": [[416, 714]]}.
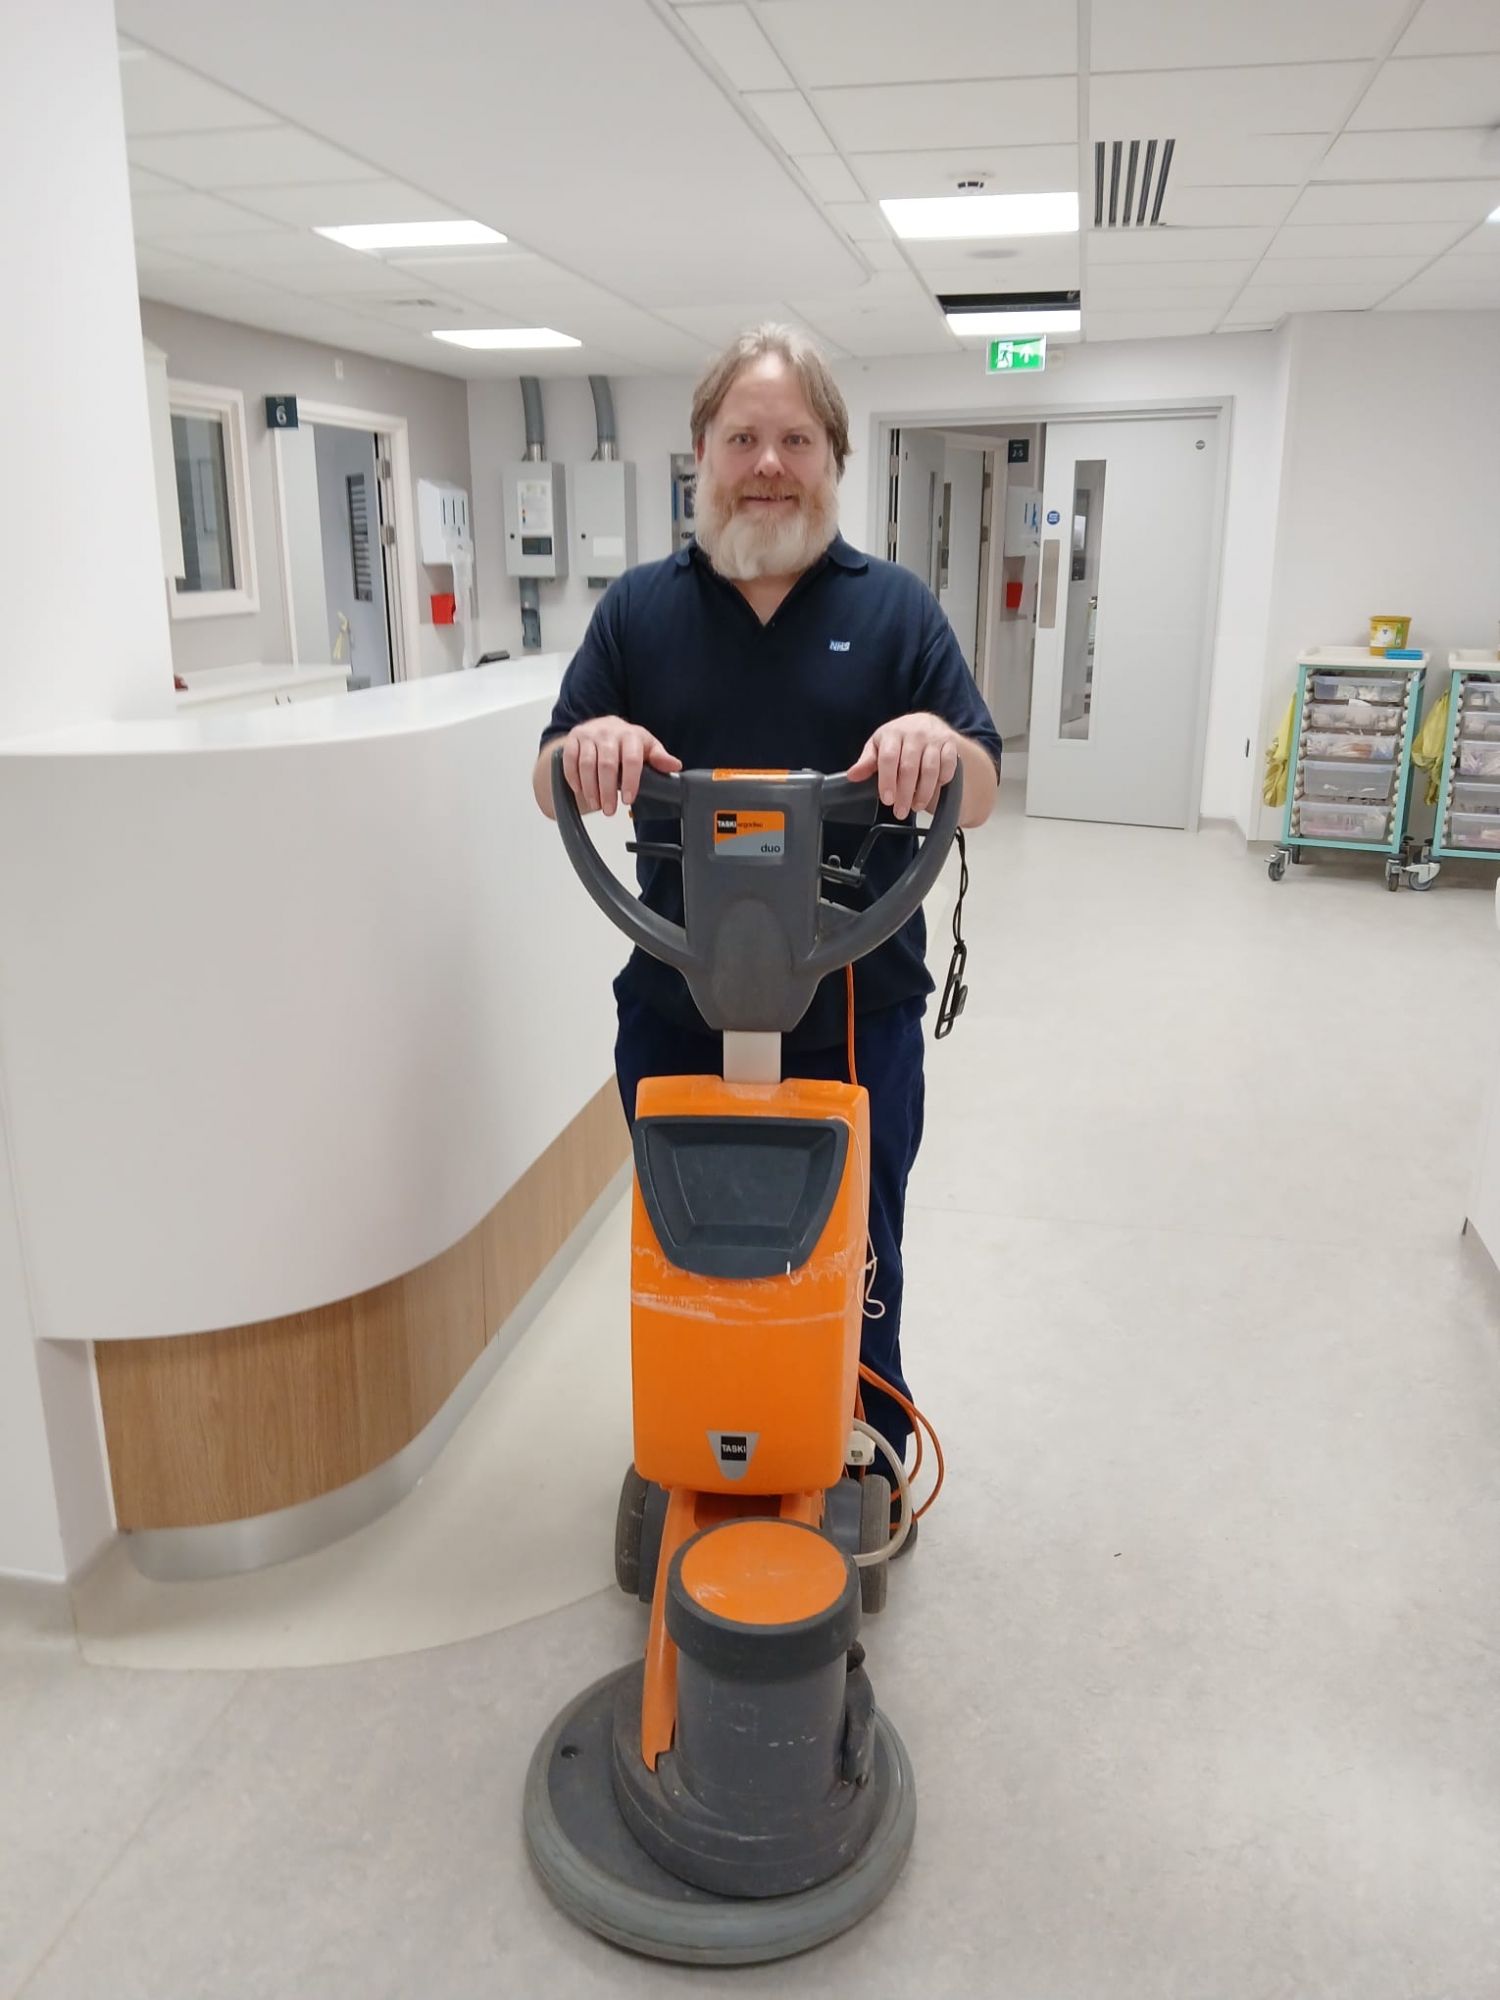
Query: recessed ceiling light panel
{"points": [[951, 217], [996, 315], [372, 236]]}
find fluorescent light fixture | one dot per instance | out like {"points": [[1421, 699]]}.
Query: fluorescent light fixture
{"points": [[410, 235], [953, 216], [1493, 216], [1002, 325], [508, 336]]}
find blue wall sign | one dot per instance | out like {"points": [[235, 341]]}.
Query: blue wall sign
{"points": [[1053, 517]]}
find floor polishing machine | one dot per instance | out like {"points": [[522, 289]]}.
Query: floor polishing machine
{"points": [[735, 1795]]}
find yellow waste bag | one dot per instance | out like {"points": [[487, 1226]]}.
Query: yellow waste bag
{"points": [[1427, 750], [1278, 758]]}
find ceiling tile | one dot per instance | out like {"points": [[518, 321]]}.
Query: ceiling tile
{"points": [[1452, 27], [1170, 246], [1283, 297], [161, 217], [1299, 271], [790, 120], [151, 258], [1308, 97], [328, 203], [848, 42], [883, 256], [1430, 93], [863, 224], [890, 118], [732, 36], [1481, 242], [1367, 239], [280, 157], [873, 338], [1397, 201], [829, 178], [1003, 169], [1414, 156], [160, 97], [1148, 325], [1109, 280], [143, 183], [1208, 301], [1187, 34], [1435, 292], [716, 326], [1226, 207], [1237, 159], [1044, 264], [285, 248]]}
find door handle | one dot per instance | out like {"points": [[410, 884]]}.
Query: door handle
{"points": [[1047, 598]]}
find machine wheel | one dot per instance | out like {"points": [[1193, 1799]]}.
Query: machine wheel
{"points": [[630, 1517], [874, 1533], [1276, 866]]}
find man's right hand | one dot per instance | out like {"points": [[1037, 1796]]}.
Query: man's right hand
{"points": [[603, 760]]}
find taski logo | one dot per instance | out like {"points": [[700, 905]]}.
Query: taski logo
{"points": [[726, 824], [838, 645], [733, 1451]]}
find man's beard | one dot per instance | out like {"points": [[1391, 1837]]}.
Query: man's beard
{"points": [[742, 546]]}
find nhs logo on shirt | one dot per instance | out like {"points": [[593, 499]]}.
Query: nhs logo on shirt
{"points": [[838, 645]]}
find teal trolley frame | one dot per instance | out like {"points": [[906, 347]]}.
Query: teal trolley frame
{"points": [[1352, 664], [1465, 669]]}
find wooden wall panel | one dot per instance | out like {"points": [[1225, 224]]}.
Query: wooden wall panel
{"points": [[213, 1427]]}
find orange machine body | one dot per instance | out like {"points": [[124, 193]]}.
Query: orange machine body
{"points": [[746, 1387]]}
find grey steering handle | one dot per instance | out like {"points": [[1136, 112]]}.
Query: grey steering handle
{"points": [[644, 927], [866, 929]]}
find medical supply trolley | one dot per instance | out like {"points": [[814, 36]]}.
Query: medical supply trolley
{"points": [[1349, 782], [1468, 809]]}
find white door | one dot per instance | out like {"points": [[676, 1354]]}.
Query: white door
{"points": [[920, 458], [1122, 653]]}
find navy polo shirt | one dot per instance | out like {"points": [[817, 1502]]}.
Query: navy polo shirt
{"points": [[857, 642]]}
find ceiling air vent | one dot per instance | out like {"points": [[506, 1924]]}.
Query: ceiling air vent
{"points": [[1130, 180]]}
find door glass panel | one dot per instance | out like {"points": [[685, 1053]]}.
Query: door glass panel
{"points": [[1075, 713]]}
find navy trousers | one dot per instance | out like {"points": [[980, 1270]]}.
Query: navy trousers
{"points": [[888, 1057]]}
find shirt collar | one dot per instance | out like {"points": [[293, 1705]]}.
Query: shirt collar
{"points": [[838, 551]]}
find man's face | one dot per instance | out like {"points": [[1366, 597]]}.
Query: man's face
{"points": [[767, 500]]}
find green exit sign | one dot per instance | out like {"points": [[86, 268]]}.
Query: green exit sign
{"points": [[1012, 357]]}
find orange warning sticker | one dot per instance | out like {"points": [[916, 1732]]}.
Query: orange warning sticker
{"points": [[729, 772], [750, 835]]}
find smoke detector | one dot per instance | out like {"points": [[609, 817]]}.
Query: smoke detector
{"points": [[1130, 179]]}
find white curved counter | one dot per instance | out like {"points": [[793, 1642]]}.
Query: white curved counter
{"points": [[306, 1031], [290, 998]]}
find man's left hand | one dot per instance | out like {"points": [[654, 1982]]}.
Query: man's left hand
{"points": [[914, 757]]}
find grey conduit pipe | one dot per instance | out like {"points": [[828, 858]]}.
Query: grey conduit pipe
{"points": [[536, 448], [604, 417]]}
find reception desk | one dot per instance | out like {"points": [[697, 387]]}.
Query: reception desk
{"points": [[307, 1032]]}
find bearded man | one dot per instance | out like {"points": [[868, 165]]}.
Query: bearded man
{"points": [[770, 644]]}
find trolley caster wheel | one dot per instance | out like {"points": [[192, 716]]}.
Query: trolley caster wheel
{"points": [[874, 1533], [1424, 873], [1276, 866], [1393, 874]]}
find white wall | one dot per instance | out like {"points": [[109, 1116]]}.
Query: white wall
{"points": [[84, 607], [436, 410], [651, 420], [1390, 496], [1247, 367]]}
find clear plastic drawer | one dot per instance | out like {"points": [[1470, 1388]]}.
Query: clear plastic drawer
{"points": [[1344, 780], [1479, 724], [1384, 690], [1474, 830], [1369, 716], [1481, 695], [1342, 822], [1351, 748], [1479, 760]]}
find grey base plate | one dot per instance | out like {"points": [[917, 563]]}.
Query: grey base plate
{"points": [[594, 1870]]}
